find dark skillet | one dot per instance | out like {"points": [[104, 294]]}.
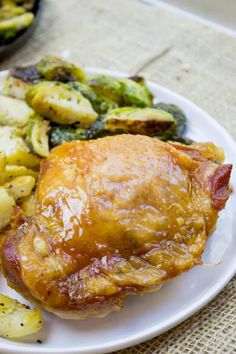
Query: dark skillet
{"points": [[14, 43]]}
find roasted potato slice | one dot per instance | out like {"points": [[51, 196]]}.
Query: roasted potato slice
{"points": [[14, 112], [61, 104], [146, 121], [15, 148], [20, 187], [13, 171], [15, 87], [57, 69], [2, 167], [27, 204], [7, 203], [18, 320]]}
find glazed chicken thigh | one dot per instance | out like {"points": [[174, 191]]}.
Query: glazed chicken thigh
{"points": [[113, 217]]}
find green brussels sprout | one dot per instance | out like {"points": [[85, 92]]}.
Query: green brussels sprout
{"points": [[9, 10], [60, 104], [146, 121], [54, 68], [107, 86], [10, 27], [176, 131], [101, 104], [37, 135], [125, 92], [61, 134], [135, 94]]}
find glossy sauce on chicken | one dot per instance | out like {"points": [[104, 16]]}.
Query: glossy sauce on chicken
{"points": [[114, 216]]}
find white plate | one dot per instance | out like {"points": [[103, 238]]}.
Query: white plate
{"points": [[144, 317]]}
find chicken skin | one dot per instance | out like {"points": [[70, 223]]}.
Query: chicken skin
{"points": [[113, 217]]}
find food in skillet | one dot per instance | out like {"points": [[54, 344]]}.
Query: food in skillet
{"points": [[114, 216], [15, 18], [99, 223]]}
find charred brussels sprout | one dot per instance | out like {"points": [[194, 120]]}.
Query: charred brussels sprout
{"points": [[139, 79], [100, 103], [26, 73], [37, 135], [146, 121], [135, 94], [175, 132], [63, 133], [54, 68], [107, 86], [60, 104]]}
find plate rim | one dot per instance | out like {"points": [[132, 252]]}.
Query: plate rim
{"points": [[151, 332]]}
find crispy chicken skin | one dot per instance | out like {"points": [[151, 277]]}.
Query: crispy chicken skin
{"points": [[114, 216]]}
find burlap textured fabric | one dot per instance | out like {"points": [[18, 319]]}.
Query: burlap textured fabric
{"points": [[189, 58]]}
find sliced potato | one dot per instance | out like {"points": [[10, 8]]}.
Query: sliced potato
{"points": [[7, 203], [12, 171], [15, 148], [23, 158], [20, 186], [61, 104], [14, 112], [15, 87], [18, 320], [2, 167], [27, 204]]}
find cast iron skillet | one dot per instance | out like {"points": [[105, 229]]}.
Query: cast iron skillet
{"points": [[17, 41]]}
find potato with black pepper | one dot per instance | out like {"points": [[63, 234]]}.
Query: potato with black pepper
{"points": [[18, 320], [16, 149]]}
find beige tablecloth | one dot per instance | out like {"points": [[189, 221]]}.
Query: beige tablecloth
{"points": [[187, 57]]}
